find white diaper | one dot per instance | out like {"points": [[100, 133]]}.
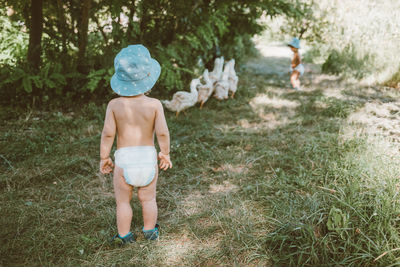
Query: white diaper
{"points": [[139, 164], [299, 68]]}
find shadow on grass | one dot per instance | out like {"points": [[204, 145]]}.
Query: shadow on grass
{"points": [[245, 187], [373, 93]]}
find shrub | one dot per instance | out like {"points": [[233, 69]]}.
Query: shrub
{"points": [[349, 63], [183, 35]]}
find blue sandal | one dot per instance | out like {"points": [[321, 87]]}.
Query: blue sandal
{"points": [[152, 234], [128, 238]]}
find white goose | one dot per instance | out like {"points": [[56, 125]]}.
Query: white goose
{"points": [[222, 85], [205, 90], [216, 73], [182, 100], [233, 79]]}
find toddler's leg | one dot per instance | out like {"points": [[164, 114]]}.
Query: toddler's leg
{"points": [[147, 197], [123, 196], [294, 79]]}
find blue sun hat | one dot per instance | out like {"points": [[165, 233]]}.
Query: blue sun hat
{"points": [[135, 71], [295, 43]]}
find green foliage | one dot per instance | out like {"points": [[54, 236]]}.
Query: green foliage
{"points": [[180, 34], [309, 22], [49, 80], [14, 42], [348, 62], [338, 221], [97, 76]]}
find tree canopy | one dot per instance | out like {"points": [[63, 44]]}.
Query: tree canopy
{"points": [[66, 48]]}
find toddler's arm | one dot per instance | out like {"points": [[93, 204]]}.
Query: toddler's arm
{"points": [[295, 60], [162, 134], [107, 140]]}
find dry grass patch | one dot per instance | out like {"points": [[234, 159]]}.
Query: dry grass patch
{"points": [[226, 187], [192, 203], [379, 118]]}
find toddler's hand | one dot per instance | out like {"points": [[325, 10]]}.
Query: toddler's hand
{"points": [[106, 165], [165, 161]]}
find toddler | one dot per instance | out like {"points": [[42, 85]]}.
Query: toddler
{"points": [[296, 69], [135, 118]]}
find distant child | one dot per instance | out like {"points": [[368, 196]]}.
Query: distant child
{"points": [[296, 69], [135, 118]]}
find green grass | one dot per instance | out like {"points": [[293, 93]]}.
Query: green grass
{"points": [[272, 177]]}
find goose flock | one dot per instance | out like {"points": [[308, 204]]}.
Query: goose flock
{"points": [[221, 81]]}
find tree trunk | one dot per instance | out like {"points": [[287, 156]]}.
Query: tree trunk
{"points": [[303, 30], [35, 42], [35, 35], [83, 36]]}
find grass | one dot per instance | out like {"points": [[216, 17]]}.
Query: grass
{"points": [[394, 81], [270, 178]]}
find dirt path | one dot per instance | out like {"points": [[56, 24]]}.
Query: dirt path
{"points": [[381, 105]]}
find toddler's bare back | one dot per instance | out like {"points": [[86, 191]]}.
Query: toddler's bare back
{"points": [[135, 120]]}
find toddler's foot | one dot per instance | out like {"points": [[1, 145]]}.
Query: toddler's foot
{"points": [[297, 89], [151, 234], [123, 240]]}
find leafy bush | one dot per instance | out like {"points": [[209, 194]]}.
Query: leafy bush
{"points": [[49, 80], [97, 76], [183, 35], [14, 42], [348, 62], [310, 21]]}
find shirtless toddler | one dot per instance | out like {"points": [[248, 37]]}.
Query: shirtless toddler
{"points": [[134, 118], [296, 68]]}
